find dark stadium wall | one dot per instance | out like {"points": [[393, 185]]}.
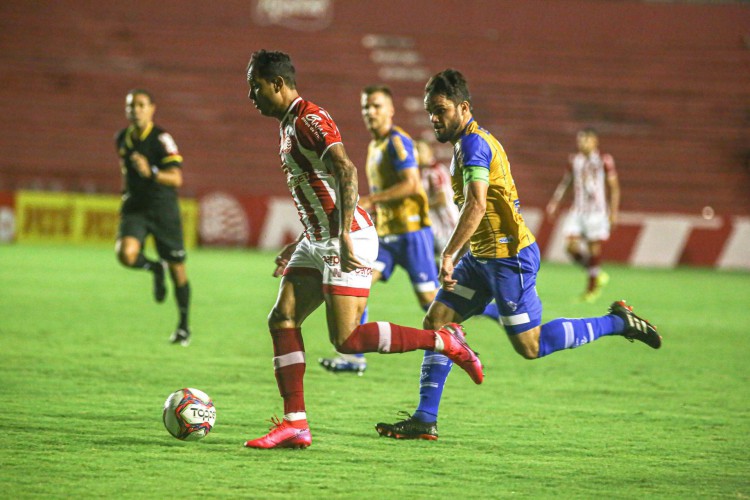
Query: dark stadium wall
{"points": [[666, 84]]}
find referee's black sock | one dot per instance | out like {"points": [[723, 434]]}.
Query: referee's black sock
{"points": [[182, 294], [143, 263]]}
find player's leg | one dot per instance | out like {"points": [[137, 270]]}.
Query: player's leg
{"points": [[448, 307], [167, 232], [533, 340], [596, 228], [131, 233], [382, 269], [346, 296], [299, 295]]}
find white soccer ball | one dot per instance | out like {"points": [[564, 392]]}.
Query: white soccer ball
{"points": [[189, 414]]}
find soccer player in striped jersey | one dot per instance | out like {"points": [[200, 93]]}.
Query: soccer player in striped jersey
{"points": [[331, 262], [503, 259], [596, 200]]}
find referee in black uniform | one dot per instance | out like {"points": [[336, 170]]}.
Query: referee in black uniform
{"points": [[151, 170]]}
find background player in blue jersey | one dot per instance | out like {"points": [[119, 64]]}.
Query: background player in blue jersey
{"points": [[400, 204], [151, 168], [503, 259]]}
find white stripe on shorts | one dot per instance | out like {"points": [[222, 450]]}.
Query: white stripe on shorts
{"points": [[427, 286], [291, 358], [384, 342], [464, 292], [516, 319]]}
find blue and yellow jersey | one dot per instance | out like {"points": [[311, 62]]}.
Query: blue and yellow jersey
{"points": [[502, 231], [386, 157]]}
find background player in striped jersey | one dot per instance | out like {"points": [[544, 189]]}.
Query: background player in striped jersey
{"points": [[332, 260], [503, 259], [596, 200], [152, 171], [436, 181], [400, 205]]}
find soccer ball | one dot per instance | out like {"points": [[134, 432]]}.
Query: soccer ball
{"points": [[189, 414]]}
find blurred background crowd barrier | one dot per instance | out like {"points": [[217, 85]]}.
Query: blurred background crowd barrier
{"points": [[667, 85]]}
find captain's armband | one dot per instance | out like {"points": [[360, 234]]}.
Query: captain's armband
{"points": [[472, 173]]}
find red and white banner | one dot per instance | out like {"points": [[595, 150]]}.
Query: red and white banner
{"points": [[640, 239]]}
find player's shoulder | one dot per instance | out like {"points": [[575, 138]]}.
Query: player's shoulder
{"points": [[402, 134], [120, 135], [474, 139]]}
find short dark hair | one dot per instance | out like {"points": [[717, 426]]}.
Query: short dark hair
{"points": [[270, 64], [451, 84], [135, 92], [589, 131], [371, 89]]}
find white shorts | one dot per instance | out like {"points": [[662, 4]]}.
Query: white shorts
{"points": [[592, 226], [323, 257]]}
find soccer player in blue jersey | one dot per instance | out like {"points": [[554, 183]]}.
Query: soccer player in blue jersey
{"points": [[502, 262]]}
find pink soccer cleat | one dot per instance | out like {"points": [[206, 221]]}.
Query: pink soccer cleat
{"points": [[283, 435], [458, 351]]}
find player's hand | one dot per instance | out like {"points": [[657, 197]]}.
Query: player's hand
{"points": [[551, 209], [446, 273], [365, 202], [283, 259], [612, 221], [349, 261], [141, 165]]}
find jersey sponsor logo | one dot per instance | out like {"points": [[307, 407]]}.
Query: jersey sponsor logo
{"points": [[506, 239], [296, 180], [169, 145], [313, 123]]}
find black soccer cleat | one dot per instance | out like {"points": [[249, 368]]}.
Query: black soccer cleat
{"points": [[409, 428], [160, 285], [181, 336], [636, 328]]}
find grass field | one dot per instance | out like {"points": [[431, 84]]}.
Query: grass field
{"points": [[86, 367]]}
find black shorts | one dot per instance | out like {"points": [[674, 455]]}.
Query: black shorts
{"points": [[164, 225]]}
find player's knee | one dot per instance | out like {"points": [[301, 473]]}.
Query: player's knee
{"points": [[277, 318], [429, 323], [528, 352], [126, 257]]}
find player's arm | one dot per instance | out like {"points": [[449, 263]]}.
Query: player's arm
{"points": [[346, 176], [613, 184], [409, 184], [476, 184], [170, 176], [559, 193]]}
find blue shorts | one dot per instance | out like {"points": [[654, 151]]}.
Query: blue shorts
{"points": [[510, 281], [415, 252]]}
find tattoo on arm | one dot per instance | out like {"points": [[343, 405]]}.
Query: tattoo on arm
{"points": [[346, 174]]}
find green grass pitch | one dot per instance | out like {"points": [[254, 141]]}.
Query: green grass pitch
{"points": [[85, 368]]}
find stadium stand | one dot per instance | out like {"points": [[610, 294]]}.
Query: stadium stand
{"points": [[666, 84]]}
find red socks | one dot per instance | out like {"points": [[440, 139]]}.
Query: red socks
{"points": [[289, 367], [386, 338]]}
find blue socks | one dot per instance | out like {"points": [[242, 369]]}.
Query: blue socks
{"points": [[435, 370], [564, 333]]}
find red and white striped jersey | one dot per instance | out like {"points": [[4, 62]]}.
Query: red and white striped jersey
{"points": [[589, 181], [306, 133], [436, 179]]}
